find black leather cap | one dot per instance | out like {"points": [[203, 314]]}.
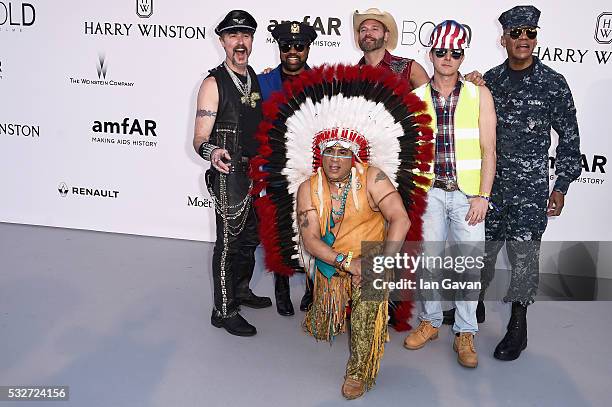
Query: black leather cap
{"points": [[293, 31], [236, 20]]}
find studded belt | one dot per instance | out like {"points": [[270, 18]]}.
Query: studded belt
{"points": [[446, 185]]}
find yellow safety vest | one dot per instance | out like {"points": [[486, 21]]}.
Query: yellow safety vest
{"points": [[467, 136]]}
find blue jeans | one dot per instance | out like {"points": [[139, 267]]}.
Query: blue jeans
{"points": [[444, 219]]}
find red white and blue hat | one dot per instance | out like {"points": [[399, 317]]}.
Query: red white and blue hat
{"points": [[449, 34]]}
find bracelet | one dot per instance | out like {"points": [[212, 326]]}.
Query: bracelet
{"points": [[340, 258], [206, 149], [486, 197], [347, 262]]}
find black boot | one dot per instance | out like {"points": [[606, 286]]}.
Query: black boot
{"points": [[307, 298], [449, 316], [480, 312], [235, 325], [253, 301], [282, 294], [515, 340]]}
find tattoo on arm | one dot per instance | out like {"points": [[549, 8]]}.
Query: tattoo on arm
{"points": [[205, 113], [381, 176], [303, 217], [305, 223]]}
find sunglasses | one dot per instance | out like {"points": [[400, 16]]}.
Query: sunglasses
{"points": [[515, 33], [337, 153], [455, 53], [299, 47]]}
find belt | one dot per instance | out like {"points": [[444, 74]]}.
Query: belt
{"points": [[446, 185], [240, 164]]}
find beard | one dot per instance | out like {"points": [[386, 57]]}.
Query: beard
{"points": [[367, 46], [293, 67]]}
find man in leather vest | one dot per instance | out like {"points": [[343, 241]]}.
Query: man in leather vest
{"points": [[228, 113], [457, 202]]}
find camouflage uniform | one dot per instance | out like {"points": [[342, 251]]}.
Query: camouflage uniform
{"points": [[526, 111]]}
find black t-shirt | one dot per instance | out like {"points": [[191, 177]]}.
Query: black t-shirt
{"points": [[249, 120], [517, 76]]}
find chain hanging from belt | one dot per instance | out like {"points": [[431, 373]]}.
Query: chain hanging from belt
{"points": [[231, 212], [247, 97]]}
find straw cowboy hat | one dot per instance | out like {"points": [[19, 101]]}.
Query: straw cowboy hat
{"points": [[381, 16]]}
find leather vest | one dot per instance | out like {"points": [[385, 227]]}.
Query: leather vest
{"points": [[228, 129]]}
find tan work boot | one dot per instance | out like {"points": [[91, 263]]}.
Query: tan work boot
{"points": [[352, 388], [466, 352], [419, 337]]}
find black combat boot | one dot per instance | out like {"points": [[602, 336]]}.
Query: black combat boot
{"points": [[515, 340], [282, 294], [235, 325], [307, 298]]}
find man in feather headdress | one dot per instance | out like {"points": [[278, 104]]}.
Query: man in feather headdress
{"points": [[346, 207], [334, 148]]}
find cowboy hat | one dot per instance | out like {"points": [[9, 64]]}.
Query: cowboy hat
{"points": [[382, 16]]}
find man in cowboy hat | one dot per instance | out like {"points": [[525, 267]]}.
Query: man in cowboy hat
{"points": [[293, 39], [458, 197], [228, 113], [376, 35]]}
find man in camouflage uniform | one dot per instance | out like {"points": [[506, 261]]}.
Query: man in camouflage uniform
{"points": [[530, 98]]}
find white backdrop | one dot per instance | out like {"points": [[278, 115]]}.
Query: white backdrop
{"points": [[56, 170]]}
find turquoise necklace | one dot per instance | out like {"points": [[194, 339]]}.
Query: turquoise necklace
{"points": [[340, 212]]}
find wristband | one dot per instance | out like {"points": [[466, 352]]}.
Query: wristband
{"points": [[206, 149], [347, 262]]}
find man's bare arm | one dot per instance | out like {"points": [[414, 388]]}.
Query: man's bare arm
{"points": [[418, 75], [386, 198], [487, 124], [208, 101], [206, 114], [308, 224]]}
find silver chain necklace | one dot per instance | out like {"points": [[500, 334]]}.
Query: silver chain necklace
{"points": [[247, 98]]}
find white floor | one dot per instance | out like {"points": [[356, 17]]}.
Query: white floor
{"points": [[125, 321]]}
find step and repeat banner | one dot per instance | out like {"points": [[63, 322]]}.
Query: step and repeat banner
{"points": [[98, 101]]}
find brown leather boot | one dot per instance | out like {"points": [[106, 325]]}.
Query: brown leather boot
{"points": [[466, 352], [419, 337], [353, 388]]}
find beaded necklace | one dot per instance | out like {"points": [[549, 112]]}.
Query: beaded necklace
{"points": [[340, 212]]}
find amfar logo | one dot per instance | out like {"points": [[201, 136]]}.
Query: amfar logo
{"points": [[106, 131], [324, 27], [64, 190], [593, 168], [144, 8], [101, 67], [14, 14], [603, 28]]}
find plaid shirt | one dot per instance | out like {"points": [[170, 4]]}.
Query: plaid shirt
{"points": [[444, 163]]}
